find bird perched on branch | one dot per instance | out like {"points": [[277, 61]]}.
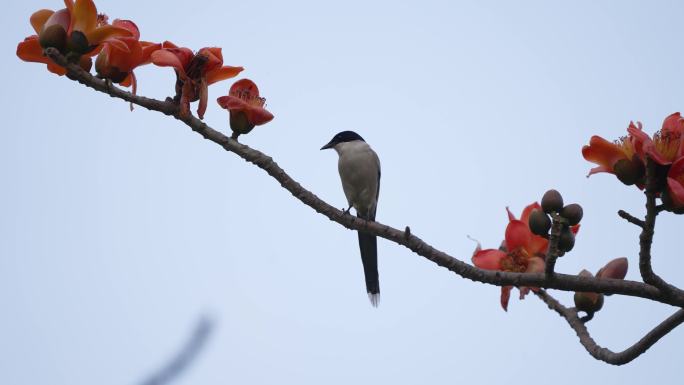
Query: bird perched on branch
{"points": [[359, 168]]}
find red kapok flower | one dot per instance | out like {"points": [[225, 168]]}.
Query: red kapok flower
{"points": [[117, 64], [246, 107], [76, 29], [521, 251], [522, 255], [667, 144], [194, 72]]}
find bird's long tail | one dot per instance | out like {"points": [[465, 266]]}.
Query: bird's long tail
{"points": [[369, 257]]}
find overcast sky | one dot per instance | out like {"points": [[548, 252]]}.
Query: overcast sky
{"points": [[119, 229]]}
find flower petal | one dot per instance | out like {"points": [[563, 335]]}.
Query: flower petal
{"points": [[675, 185], [511, 217], [129, 26], [258, 115], [168, 44], [505, 296], [489, 259], [674, 123], [60, 17], [106, 32], [39, 18], [644, 145], [83, 17], [223, 73], [518, 234], [232, 103], [535, 265], [525, 216], [147, 49], [538, 245], [603, 153], [168, 58], [31, 51]]}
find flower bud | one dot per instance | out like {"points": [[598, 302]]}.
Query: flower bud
{"points": [[628, 171], [588, 302], [107, 71], [239, 122], [566, 241], [552, 201], [616, 269], [53, 36], [539, 222], [78, 43], [573, 213]]}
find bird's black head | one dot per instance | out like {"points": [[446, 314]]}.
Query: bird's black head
{"points": [[342, 137]]}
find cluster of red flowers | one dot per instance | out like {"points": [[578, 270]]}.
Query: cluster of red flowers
{"points": [[628, 156], [80, 33], [520, 252]]}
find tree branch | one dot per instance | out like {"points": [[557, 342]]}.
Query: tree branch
{"points": [[553, 252], [499, 278], [184, 357], [630, 218], [647, 231], [604, 354]]}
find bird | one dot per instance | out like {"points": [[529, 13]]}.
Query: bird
{"points": [[359, 168]]}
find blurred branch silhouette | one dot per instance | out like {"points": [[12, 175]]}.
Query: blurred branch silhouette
{"points": [[184, 357], [653, 287]]}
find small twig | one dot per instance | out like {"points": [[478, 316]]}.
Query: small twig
{"points": [[630, 218], [587, 318], [604, 354], [182, 360]]}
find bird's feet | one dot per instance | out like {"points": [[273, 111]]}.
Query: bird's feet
{"points": [[346, 211]]}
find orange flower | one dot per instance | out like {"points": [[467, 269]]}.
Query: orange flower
{"points": [[606, 154], [620, 157], [76, 29], [246, 107], [194, 73], [117, 64]]}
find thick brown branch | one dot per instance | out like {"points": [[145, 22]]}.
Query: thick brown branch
{"points": [[401, 237], [604, 354], [647, 231]]}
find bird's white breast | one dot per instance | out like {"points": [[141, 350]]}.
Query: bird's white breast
{"points": [[359, 169]]}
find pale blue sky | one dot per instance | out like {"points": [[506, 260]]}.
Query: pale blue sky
{"points": [[119, 229]]}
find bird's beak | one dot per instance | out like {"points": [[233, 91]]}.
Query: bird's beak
{"points": [[329, 145]]}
